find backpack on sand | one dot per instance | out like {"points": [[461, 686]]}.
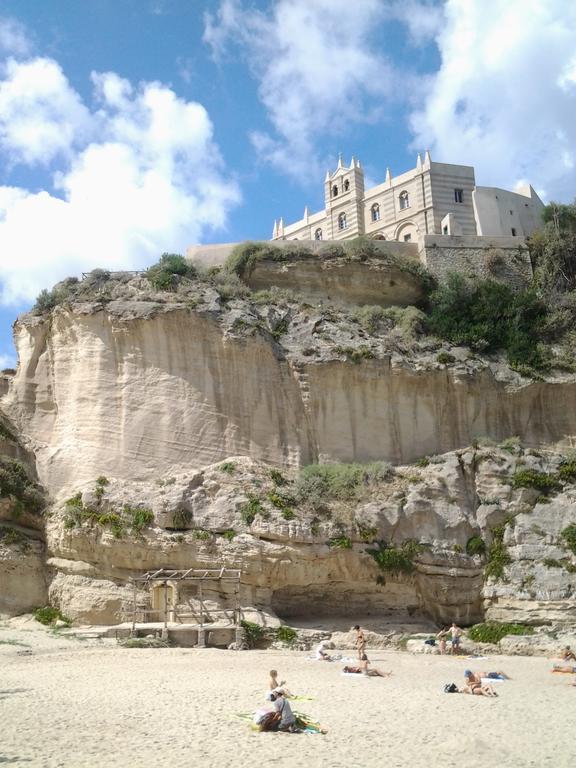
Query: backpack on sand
{"points": [[450, 688]]}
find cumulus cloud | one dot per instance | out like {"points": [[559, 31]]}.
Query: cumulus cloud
{"points": [[504, 98], [133, 174], [318, 68]]}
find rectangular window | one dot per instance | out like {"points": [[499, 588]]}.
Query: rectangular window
{"points": [[407, 238], [458, 195], [513, 232], [445, 231]]}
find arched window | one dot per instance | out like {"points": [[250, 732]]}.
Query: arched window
{"points": [[342, 221], [334, 191], [404, 200], [375, 212], [346, 185], [318, 234]]}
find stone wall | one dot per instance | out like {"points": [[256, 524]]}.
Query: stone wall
{"points": [[499, 258]]}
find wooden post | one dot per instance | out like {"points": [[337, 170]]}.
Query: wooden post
{"points": [[165, 633], [134, 598]]}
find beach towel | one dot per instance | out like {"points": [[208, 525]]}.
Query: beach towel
{"points": [[303, 721], [490, 680]]}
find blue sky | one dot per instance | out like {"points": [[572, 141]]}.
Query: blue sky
{"points": [[133, 127]]}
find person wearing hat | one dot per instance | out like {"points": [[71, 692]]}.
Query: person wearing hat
{"points": [[285, 720]]}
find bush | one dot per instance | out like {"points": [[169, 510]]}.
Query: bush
{"points": [[244, 256], [423, 461], [49, 616], [250, 509], [445, 358], [253, 632], [229, 534], [16, 485], [511, 445], [139, 518], [286, 635], [410, 321], [340, 542], [487, 316], [531, 478], [494, 631], [339, 481], [277, 477], [165, 273], [475, 546], [228, 467], [569, 536], [372, 318], [396, 559], [181, 519], [47, 300], [498, 557], [567, 471], [7, 434]]}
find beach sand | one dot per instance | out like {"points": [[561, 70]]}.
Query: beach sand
{"points": [[71, 705]]}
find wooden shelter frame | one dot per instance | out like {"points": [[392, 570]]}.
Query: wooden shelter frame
{"points": [[162, 576]]}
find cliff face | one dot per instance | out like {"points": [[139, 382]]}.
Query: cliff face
{"points": [[303, 556], [142, 387], [155, 392]]}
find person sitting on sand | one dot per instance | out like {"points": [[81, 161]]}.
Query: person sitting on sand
{"points": [[567, 654], [456, 634], [360, 640], [283, 719], [274, 685], [321, 654]]}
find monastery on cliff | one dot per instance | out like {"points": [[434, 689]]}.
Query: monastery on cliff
{"points": [[432, 198]]}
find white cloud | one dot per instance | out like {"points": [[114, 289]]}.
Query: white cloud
{"points": [[318, 68], [134, 175], [504, 98], [13, 38], [41, 116]]}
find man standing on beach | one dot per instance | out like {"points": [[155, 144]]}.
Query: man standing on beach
{"points": [[456, 634], [360, 641]]}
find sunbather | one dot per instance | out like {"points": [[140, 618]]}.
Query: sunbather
{"points": [[567, 654], [477, 689], [274, 685], [476, 677], [282, 718]]}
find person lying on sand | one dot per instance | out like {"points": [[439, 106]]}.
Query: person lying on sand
{"points": [[364, 669], [274, 685], [477, 689], [476, 677], [569, 668]]}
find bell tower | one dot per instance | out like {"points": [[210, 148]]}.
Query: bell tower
{"points": [[343, 199]]}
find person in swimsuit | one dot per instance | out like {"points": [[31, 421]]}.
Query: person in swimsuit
{"points": [[456, 634], [360, 641]]}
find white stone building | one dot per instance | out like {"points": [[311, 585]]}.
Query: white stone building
{"points": [[432, 198]]}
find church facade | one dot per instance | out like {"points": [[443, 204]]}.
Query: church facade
{"points": [[432, 198]]}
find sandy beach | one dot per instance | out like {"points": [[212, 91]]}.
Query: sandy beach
{"points": [[68, 705]]}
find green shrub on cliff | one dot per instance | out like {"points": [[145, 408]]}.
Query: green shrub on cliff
{"points": [[498, 557], [494, 631], [15, 484], [475, 546], [569, 536], [487, 316], [531, 478], [165, 273], [244, 256], [396, 558], [48, 615], [319, 482]]}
